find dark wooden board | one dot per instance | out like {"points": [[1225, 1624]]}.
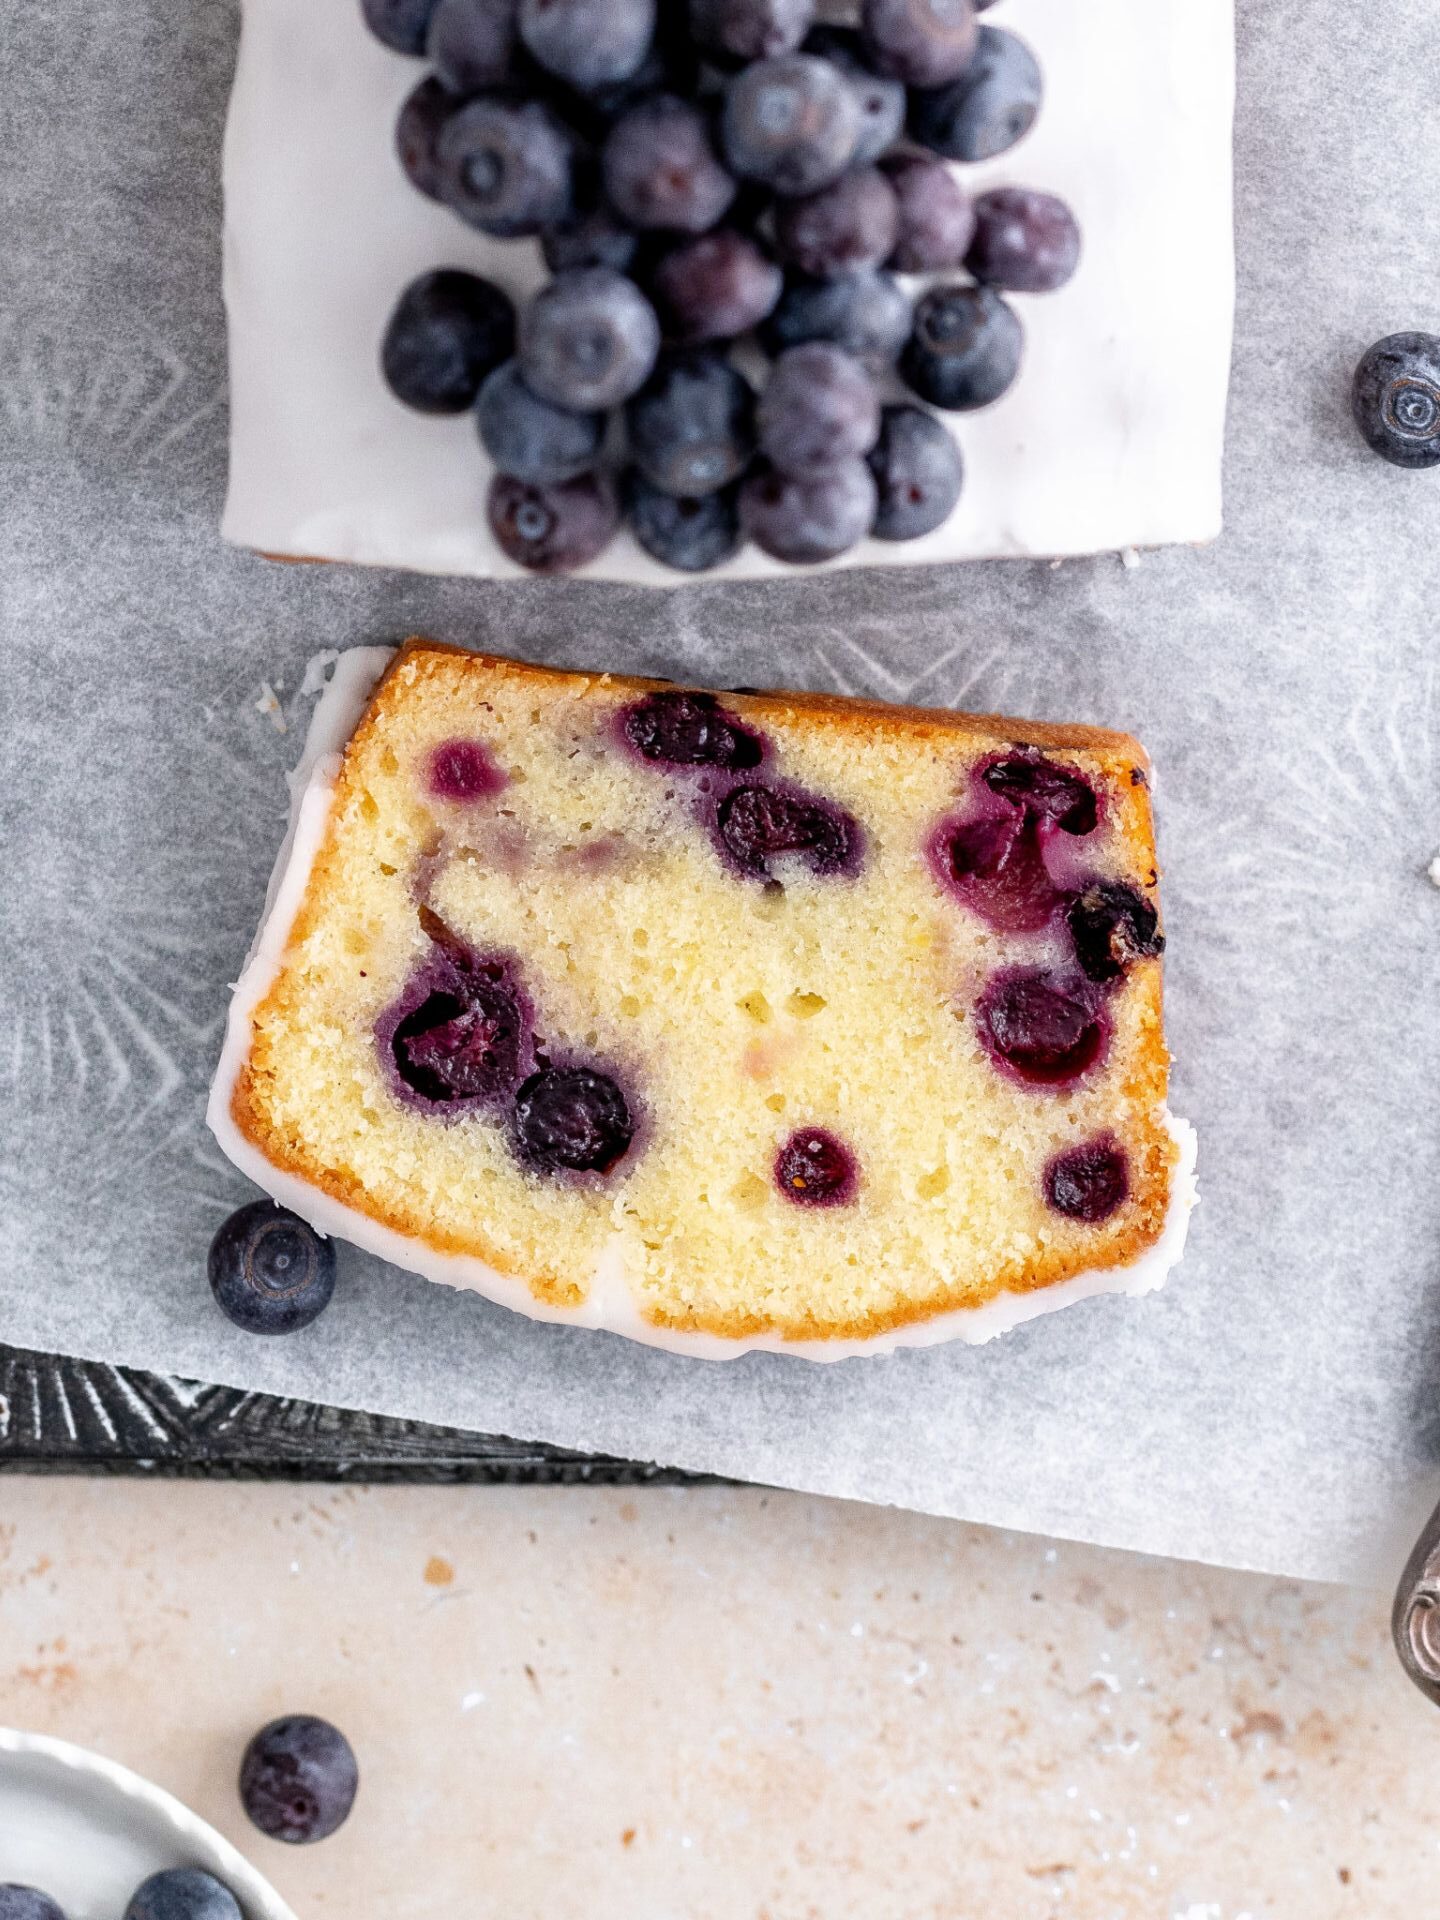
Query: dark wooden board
{"points": [[80, 1416]]}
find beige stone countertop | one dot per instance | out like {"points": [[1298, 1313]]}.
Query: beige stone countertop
{"points": [[725, 1704]]}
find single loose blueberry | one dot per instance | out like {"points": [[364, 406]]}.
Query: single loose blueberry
{"points": [[815, 1169], [691, 535], [758, 825], [1089, 1182], [588, 43], [183, 1893], [552, 529], [750, 29], [588, 341], [691, 427], [269, 1271], [1112, 925], [571, 1119], [447, 332], [965, 349], [661, 169], [995, 866], [298, 1779], [1395, 398], [505, 166], [679, 728], [473, 44], [991, 107], [1027, 779], [417, 133], [935, 217], [715, 287], [533, 439], [868, 314], [818, 411], [26, 1903], [925, 43], [851, 223], [881, 100], [1025, 242], [401, 24], [792, 123], [463, 770], [918, 473], [804, 522], [1044, 1028]]}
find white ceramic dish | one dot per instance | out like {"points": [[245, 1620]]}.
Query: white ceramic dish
{"points": [[88, 1831]]}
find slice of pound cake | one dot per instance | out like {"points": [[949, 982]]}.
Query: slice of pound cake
{"points": [[718, 1020]]}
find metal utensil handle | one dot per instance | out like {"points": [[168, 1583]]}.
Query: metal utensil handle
{"points": [[1415, 1618]]}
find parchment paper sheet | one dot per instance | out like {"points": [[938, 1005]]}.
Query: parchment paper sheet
{"points": [[1277, 1405]]}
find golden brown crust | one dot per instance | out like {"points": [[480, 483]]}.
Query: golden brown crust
{"points": [[1115, 754]]}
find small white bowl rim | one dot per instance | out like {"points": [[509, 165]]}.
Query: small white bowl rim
{"points": [[224, 1860]]}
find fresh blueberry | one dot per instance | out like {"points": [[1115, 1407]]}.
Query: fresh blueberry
{"points": [[925, 43], [988, 109], [401, 24], [715, 287], [818, 411], [473, 44], [552, 529], [298, 1779], [678, 728], [851, 223], [692, 425], [1043, 787], [792, 123], [995, 865], [588, 43], [530, 438], [815, 1169], [448, 331], [965, 349], [867, 314], [269, 1271], [1089, 1182], [588, 340], [758, 825], [1112, 926], [1025, 242], [417, 133], [935, 217], [1043, 1027], [882, 101], [918, 473], [26, 1903], [691, 535], [183, 1893], [661, 169], [464, 771], [505, 166], [571, 1119], [750, 29], [592, 234], [806, 521], [1396, 399], [671, 66]]}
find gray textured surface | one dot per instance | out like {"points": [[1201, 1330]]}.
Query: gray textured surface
{"points": [[1277, 1405]]}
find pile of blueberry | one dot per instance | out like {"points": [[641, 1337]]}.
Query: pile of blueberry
{"points": [[298, 1781], [700, 173]]}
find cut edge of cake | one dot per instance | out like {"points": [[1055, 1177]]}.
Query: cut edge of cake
{"points": [[345, 701]]}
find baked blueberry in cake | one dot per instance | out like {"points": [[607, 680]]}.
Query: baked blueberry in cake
{"points": [[1012, 220], [716, 1019]]}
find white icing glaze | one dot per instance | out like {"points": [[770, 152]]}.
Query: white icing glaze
{"points": [[1111, 438], [610, 1305]]}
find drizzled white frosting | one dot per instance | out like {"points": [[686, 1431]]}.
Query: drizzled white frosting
{"points": [[610, 1304], [1111, 437]]}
